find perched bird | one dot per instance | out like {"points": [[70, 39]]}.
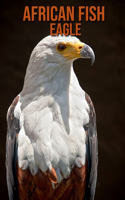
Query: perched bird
{"points": [[51, 148]]}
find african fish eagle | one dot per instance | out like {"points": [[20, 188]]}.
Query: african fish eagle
{"points": [[51, 148]]}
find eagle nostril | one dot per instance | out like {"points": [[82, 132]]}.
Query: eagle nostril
{"points": [[80, 47]]}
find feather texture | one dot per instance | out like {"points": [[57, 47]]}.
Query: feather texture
{"points": [[92, 151]]}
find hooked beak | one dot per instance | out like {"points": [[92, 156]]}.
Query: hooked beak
{"points": [[87, 52]]}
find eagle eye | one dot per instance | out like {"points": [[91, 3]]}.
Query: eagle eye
{"points": [[61, 47]]}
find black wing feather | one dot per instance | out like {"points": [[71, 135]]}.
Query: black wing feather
{"points": [[11, 151], [92, 151]]}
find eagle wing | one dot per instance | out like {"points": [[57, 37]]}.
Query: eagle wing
{"points": [[92, 151], [13, 128]]}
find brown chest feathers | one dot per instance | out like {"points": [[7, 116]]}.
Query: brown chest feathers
{"points": [[39, 187]]}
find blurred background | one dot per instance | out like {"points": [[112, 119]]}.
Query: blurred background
{"points": [[104, 81]]}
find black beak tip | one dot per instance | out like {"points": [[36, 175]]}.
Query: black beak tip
{"points": [[87, 52], [92, 59]]}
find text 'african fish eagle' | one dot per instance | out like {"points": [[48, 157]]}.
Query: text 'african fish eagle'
{"points": [[51, 149]]}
